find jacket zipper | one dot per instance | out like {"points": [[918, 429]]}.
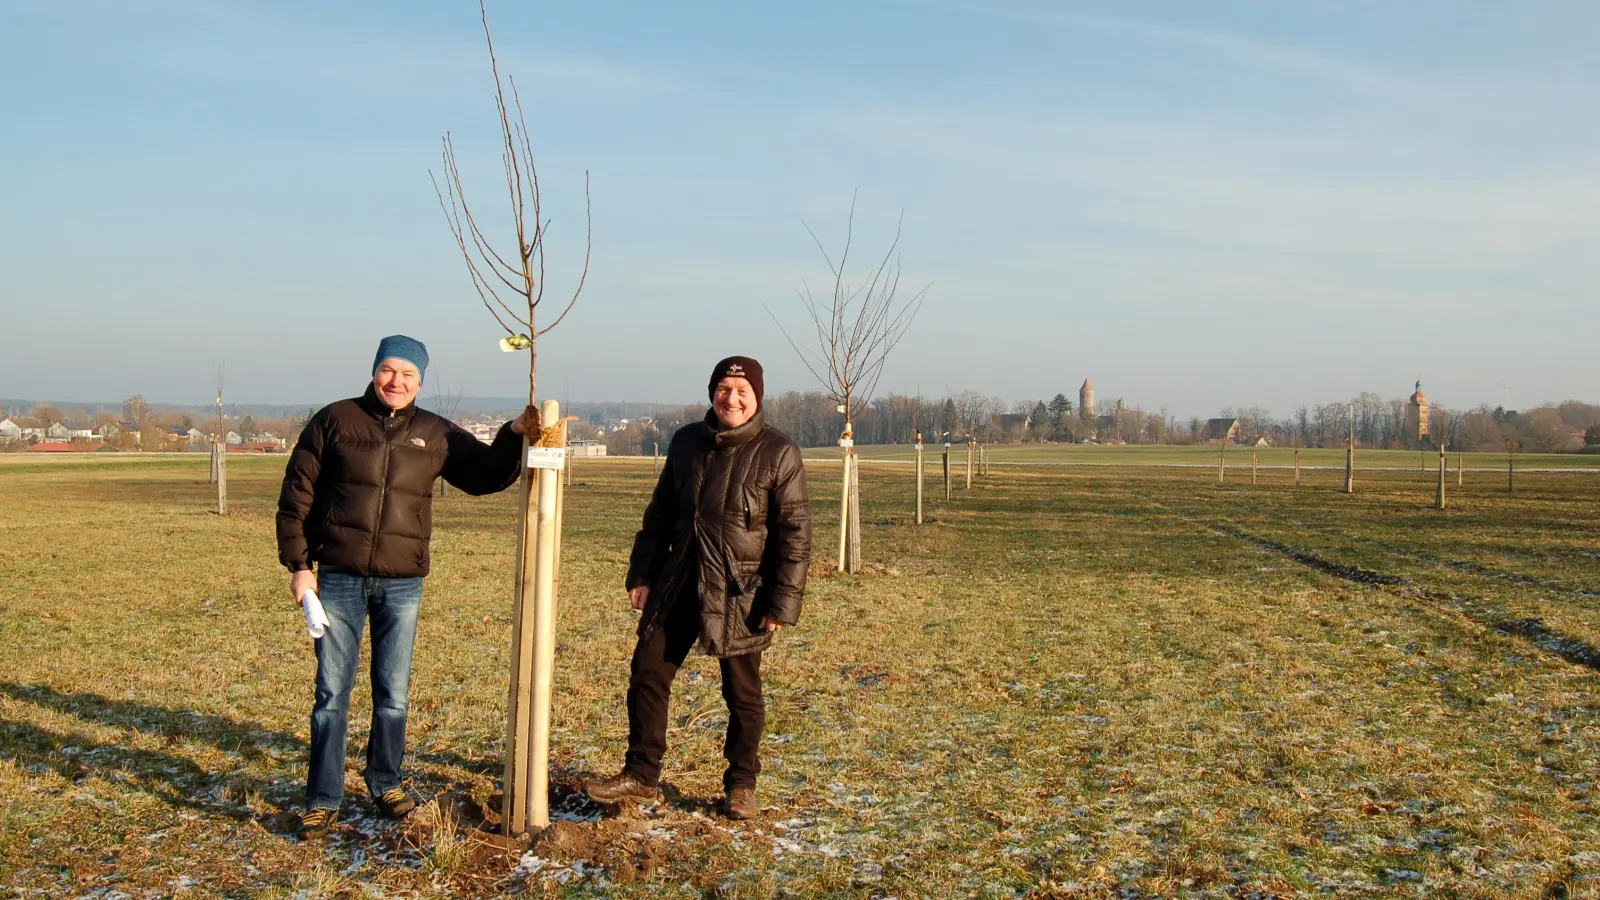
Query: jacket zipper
{"points": [[383, 496]]}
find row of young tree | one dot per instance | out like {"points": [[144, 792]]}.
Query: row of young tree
{"points": [[813, 420]]}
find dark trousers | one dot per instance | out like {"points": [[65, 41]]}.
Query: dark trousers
{"points": [[656, 660]]}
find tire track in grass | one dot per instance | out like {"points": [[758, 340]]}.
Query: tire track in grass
{"points": [[1471, 568], [1533, 630]]}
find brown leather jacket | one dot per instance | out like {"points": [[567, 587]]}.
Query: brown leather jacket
{"points": [[358, 491], [730, 520]]}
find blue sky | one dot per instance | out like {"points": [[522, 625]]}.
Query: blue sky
{"points": [[1195, 204]]}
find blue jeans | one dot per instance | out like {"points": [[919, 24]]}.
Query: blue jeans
{"points": [[349, 599]]}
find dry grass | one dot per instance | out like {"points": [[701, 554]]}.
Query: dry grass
{"points": [[1071, 682]]}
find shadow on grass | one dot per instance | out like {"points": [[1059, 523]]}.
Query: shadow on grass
{"points": [[1571, 649], [174, 778]]}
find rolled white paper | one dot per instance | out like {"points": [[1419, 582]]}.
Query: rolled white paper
{"points": [[316, 619]]}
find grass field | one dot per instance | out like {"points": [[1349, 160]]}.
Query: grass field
{"points": [[1072, 681]]}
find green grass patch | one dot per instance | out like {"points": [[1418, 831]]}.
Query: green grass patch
{"points": [[1072, 681]]}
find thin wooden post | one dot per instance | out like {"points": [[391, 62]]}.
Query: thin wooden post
{"points": [[1252, 465], [854, 555], [222, 478], [844, 502], [969, 463], [1296, 466], [655, 457], [1350, 455], [1460, 478], [947, 493], [919, 478], [526, 800], [1511, 473], [1222, 454], [544, 635], [211, 477], [561, 501], [519, 706], [1444, 464]]}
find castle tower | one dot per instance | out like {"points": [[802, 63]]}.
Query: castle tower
{"points": [[1417, 416], [1086, 399]]}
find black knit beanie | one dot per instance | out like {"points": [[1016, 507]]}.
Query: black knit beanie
{"points": [[739, 367]]}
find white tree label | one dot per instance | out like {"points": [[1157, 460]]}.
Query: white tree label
{"points": [[546, 457]]}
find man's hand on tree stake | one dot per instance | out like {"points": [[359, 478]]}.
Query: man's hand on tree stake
{"points": [[300, 582], [528, 422], [637, 596]]}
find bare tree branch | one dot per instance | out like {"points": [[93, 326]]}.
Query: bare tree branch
{"points": [[855, 327], [520, 275]]}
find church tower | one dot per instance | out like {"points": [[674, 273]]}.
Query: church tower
{"points": [[1086, 399], [1417, 416]]}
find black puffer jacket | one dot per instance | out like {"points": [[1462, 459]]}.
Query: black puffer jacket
{"points": [[358, 490], [730, 518]]}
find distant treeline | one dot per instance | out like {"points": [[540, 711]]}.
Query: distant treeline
{"points": [[813, 420]]}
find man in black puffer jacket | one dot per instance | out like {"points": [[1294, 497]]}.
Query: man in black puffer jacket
{"points": [[721, 560], [357, 502]]}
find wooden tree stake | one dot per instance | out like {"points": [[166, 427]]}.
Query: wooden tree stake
{"points": [[919, 478], [1444, 465], [947, 493], [1350, 456]]}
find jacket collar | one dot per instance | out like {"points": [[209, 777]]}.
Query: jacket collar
{"points": [[378, 409], [733, 437]]}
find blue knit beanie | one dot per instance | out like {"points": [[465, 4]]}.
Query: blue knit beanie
{"points": [[398, 346]]}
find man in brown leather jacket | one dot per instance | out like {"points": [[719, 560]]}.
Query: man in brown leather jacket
{"points": [[357, 502], [721, 561]]}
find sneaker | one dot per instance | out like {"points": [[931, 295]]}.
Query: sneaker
{"points": [[395, 804], [316, 822], [622, 787], [740, 804]]}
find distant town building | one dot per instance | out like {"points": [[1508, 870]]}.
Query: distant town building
{"points": [[1086, 399], [1222, 431]]}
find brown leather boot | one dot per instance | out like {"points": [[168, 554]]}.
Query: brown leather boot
{"points": [[740, 804], [622, 787]]}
